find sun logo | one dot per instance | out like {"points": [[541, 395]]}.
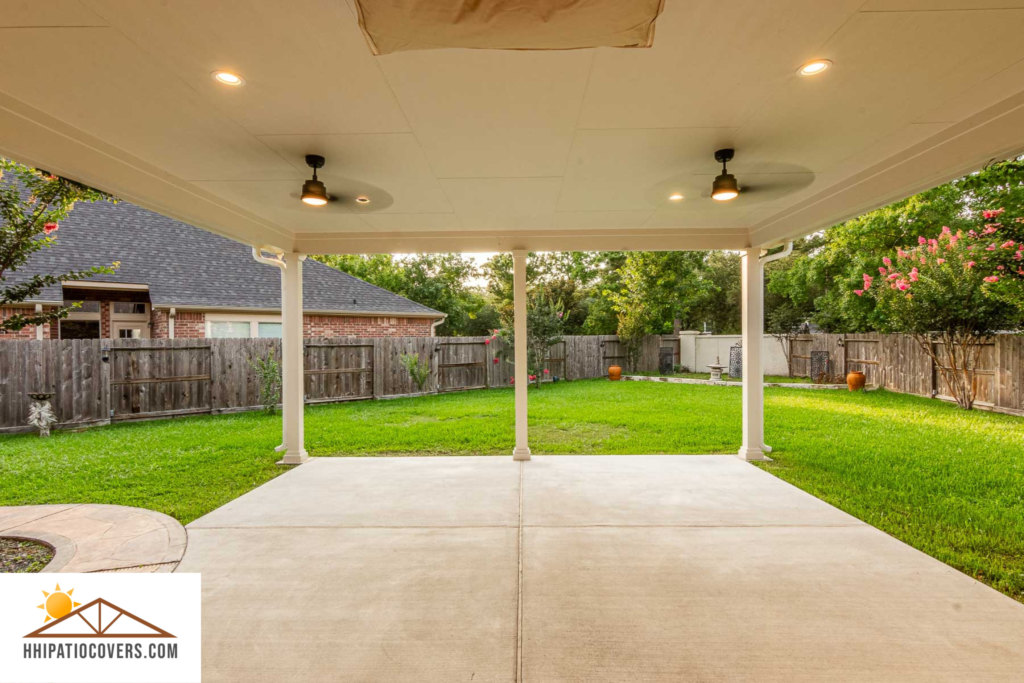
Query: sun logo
{"points": [[58, 603]]}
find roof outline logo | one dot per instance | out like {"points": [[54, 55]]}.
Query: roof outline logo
{"points": [[99, 629]]}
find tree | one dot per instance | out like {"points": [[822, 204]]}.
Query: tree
{"points": [[32, 205], [825, 268], [783, 322], [941, 293], [440, 281], [544, 329], [670, 285]]}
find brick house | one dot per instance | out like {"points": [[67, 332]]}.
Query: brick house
{"points": [[176, 281]]}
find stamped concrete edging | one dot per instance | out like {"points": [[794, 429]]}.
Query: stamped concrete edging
{"points": [[99, 538], [723, 383]]}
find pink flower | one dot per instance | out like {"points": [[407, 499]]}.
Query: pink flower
{"points": [[886, 261], [512, 380], [989, 229], [902, 285], [487, 341], [946, 230], [940, 261], [922, 241], [495, 361], [970, 264], [995, 213], [893, 276], [992, 278], [533, 377], [1019, 255], [1000, 267], [559, 315], [859, 292], [867, 281], [913, 274], [991, 247], [923, 260], [882, 270], [900, 253], [546, 371], [1008, 244], [50, 228]]}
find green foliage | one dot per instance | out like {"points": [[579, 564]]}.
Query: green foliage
{"points": [[32, 204], [940, 291], [544, 329], [420, 372], [819, 279], [440, 281], [268, 375]]}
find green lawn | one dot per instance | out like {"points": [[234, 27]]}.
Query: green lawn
{"points": [[783, 379], [948, 482]]}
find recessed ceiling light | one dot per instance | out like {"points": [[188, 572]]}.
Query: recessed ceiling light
{"points": [[814, 68], [227, 78], [314, 192], [724, 188], [675, 197], [363, 200]]}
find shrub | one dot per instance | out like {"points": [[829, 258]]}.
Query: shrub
{"points": [[950, 294], [420, 372], [268, 374]]}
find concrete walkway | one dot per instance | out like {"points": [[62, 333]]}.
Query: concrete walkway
{"points": [[577, 569], [99, 538]]}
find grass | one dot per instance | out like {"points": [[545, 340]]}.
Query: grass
{"points": [[948, 482], [778, 379]]}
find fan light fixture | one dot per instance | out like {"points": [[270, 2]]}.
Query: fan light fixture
{"points": [[675, 197], [314, 192], [724, 188], [228, 78], [814, 68]]}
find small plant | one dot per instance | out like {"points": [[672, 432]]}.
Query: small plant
{"points": [[268, 374], [420, 372]]}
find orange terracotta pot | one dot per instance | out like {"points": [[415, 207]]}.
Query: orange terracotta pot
{"points": [[615, 373], [855, 380]]}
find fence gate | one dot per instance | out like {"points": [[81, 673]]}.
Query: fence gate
{"points": [[158, 377], [462, 365]]}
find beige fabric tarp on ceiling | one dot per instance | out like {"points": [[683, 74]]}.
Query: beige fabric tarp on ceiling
{"points": [[401, 25]]}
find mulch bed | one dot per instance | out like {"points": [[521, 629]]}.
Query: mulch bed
{"points": [[17, 555]]}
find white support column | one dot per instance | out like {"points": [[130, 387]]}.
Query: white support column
{"points": [[753, 369], [293, 394], [522, 451], [39, 328]]}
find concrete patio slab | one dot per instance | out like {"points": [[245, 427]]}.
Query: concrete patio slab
{"points": [[756, 604], [395, 605], [620, 569], [91, 538], [656, 490], [381, 492]]}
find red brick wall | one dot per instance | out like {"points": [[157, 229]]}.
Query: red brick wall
{"points": [[159, 319], [189, 325], [352, 326], [29, 332]]}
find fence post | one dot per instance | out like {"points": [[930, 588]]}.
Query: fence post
{"points": [[378, 367]]}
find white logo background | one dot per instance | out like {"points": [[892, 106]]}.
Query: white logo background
{"points": [[172, 602]]}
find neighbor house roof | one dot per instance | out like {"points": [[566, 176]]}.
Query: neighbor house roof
{"points": [[189, 267]]}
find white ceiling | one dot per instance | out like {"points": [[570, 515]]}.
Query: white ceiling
{"points": [[490, 150]]}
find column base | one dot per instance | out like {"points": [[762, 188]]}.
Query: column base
{"points": [[293, 458], [753, 455], [521, 453]]}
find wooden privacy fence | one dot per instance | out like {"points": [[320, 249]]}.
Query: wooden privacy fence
{"points": [[111, 380], [898, 363]]}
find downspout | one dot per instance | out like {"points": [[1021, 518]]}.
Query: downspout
{"points": [[257, 254], [39, 328], [775, 257], [762, 262], [434, 325], [170, 322]]}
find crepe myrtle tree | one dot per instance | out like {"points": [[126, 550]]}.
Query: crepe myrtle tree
{"points": [[545, 321], [950, 293], [32, 205]]}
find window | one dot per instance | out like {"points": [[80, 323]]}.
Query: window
{"points": [[269, 330], [87, 310], [129, 333], [129, 308], [79, 329], [228, 329]]}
